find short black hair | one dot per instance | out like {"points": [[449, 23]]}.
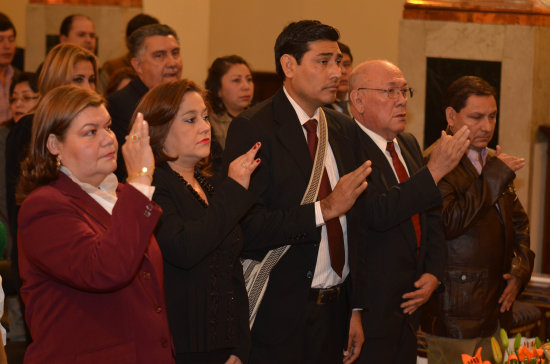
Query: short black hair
{"points": [[6, 24], [137, 38], [139, 21], [295, 38], [21, 77], [67, 23], [345, 50], [458, 92]]}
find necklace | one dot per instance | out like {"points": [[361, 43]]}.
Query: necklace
{"points": [[207, 187]]}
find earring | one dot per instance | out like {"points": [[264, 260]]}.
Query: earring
{"points": [[57, 162]]}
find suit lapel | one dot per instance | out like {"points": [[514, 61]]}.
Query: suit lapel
{"points": [[83, 200], [290, 134], [381, 168]]}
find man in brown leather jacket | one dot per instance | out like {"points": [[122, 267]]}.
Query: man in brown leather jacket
{"points": [[486, 230]]}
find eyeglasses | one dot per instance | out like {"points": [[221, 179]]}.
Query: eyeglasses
{"points": [[25, 99], [393, 92]]}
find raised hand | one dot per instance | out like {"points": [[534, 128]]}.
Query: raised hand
{"points": [[448, 152], [242, 167], [514, 163], [137, 153], [346, 191]]}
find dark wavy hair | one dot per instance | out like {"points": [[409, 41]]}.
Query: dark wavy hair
{"points": [[213, 82], [159, 107], [54, 115], [295, 38], [458, 92]]}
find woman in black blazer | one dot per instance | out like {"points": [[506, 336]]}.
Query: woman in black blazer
{"points": [[198, 231]]}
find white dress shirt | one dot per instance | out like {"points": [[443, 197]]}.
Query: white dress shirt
{"points": [[105, 194], [324, 275]]}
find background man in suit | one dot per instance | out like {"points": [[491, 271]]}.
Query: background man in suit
{"points": [[404, 246], [156, 59], [78, 29], [342, 95], [305, 313], [486, 230]]}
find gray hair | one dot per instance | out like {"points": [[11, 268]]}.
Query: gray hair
{"points": [[137, 39]]}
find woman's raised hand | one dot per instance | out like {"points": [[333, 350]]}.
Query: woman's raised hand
{"points": [[137, 153], [242, 167]]}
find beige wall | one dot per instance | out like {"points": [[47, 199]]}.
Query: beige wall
{"points": [[250, 27], [212, 28]]}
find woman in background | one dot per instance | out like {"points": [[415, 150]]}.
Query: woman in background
{"points": [[90, 266], [198, 233], [23, 95], [230, 91], [65, 64]]}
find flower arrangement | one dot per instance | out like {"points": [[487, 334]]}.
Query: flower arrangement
{"points": [[521, 354]]}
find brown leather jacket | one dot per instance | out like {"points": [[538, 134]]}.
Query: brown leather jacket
{"points": [[487, 235]]}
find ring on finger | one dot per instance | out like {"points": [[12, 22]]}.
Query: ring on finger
{"points": [[135, 138], [244, 165]]}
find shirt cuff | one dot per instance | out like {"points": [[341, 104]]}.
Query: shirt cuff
{"points": [[145, 189], [319, 221]]}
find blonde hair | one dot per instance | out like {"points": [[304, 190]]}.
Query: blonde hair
{"points": [[59, 65], [54, 115]]}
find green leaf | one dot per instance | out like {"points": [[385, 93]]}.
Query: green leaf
{"points": [[517, 342], [538, 343]]}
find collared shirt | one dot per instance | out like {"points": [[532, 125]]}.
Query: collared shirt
{"points": [[473, 156], [5, 113], [382, 143], [324, 275], [105, 193]]}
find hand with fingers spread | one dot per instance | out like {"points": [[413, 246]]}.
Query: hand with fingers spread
{"points": [[425, 285], [514, 163], [448, 152], [242, 167], [346, 191], [137, 153]]}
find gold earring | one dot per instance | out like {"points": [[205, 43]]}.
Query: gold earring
{"points": [[58, 162]]}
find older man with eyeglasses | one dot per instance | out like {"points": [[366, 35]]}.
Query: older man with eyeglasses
{"points": [[404, 253]]}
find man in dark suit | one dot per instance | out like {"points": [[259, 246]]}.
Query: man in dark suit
{"points": [[404, 246], [305, 313], [156, 59]]}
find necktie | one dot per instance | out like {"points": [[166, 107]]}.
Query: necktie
{"points": [[403, 176], [334, 229]]}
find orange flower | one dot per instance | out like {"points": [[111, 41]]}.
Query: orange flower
{"points": [[476, 359]]}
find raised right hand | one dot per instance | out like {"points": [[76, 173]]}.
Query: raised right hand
{"points": [[242, 167], [448, 152], [346, 191], [137, 153]]}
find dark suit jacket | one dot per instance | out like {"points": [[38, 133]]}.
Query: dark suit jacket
{"points": [[204, 284], [92, 282], [121, 106], [279, 219], [392, 264]]}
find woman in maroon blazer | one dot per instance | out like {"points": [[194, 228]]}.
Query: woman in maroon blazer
{"points": [[91, 268]]}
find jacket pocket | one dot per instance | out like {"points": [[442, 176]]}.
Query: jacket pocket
{"points": [[465, 292]]}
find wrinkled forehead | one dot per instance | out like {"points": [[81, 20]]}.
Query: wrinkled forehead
{"points": [[387, 77], [157, 43]]}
